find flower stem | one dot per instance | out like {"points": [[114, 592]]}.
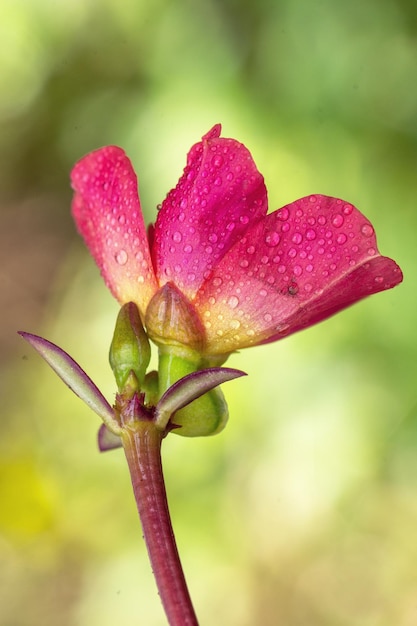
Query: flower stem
{"points": [[142, 445]]}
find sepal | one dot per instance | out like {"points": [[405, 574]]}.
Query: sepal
{"points": [[189, 388]]}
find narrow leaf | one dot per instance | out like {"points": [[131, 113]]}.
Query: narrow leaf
{"points": [[74, 377], [107, 440], [190, 387]]}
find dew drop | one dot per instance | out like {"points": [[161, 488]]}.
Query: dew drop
{"points": [[218, 181], [283, 214], [338, 220], [243, 219], [367, 230], [311, 234], [341, 239], [282, 269], [244, 263], [250, 249], [379, 279], [217, 160], [230, 226], [122, 219], [233, 302], [347, 209], [267, 318], [217, 281], [263, 293], [264, 260], [297, 270], [272, 239], [371, 251], [177, 237], [292, 252], [321, 220], [297, 238], [308, 287], [188, 248], [309, 267], [212, 238], [235, 324], [121, 257]]}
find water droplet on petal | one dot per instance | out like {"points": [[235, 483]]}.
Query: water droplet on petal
{"points": [[217, 160], [338, 220], [244, 219], [371, 251], [379, 279], [121, 257], [367, 230], [122, 219], [283, 214], [250, 249], [297, 270], [235, 324], [297, 238], [233, 302], [213, 238], [244, 263], [311, 234], [272, 239], [188, 248], [230, 226], [268, 317], [347, 209], [341, 239], [263, 293], [218, 181], [177, 237]]}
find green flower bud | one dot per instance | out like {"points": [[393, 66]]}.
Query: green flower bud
{"points": [[130, 351]]}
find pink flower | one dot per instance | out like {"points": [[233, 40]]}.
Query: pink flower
{"points": [[218, 273]]}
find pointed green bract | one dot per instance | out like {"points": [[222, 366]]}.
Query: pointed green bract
{"points": [[130, 350]]}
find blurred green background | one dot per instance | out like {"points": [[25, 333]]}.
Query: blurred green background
{"points": [[303, 512]]}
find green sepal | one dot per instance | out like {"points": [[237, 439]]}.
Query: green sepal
{"points": [[204, 416]]}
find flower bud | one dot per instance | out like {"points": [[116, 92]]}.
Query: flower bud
{"points": [[130, 351], [172, 321]]}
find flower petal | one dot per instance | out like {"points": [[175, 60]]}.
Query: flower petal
{"points": [[107, 211], [220, 195], [293, 269]]}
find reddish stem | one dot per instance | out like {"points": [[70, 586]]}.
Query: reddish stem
{"points": [[142, 445]]}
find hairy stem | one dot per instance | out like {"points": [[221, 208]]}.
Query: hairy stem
{"points": [[142, 445]]}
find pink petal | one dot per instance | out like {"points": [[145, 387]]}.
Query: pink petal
{"points": [[107, 211], [293, 269], [219, 196]]}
